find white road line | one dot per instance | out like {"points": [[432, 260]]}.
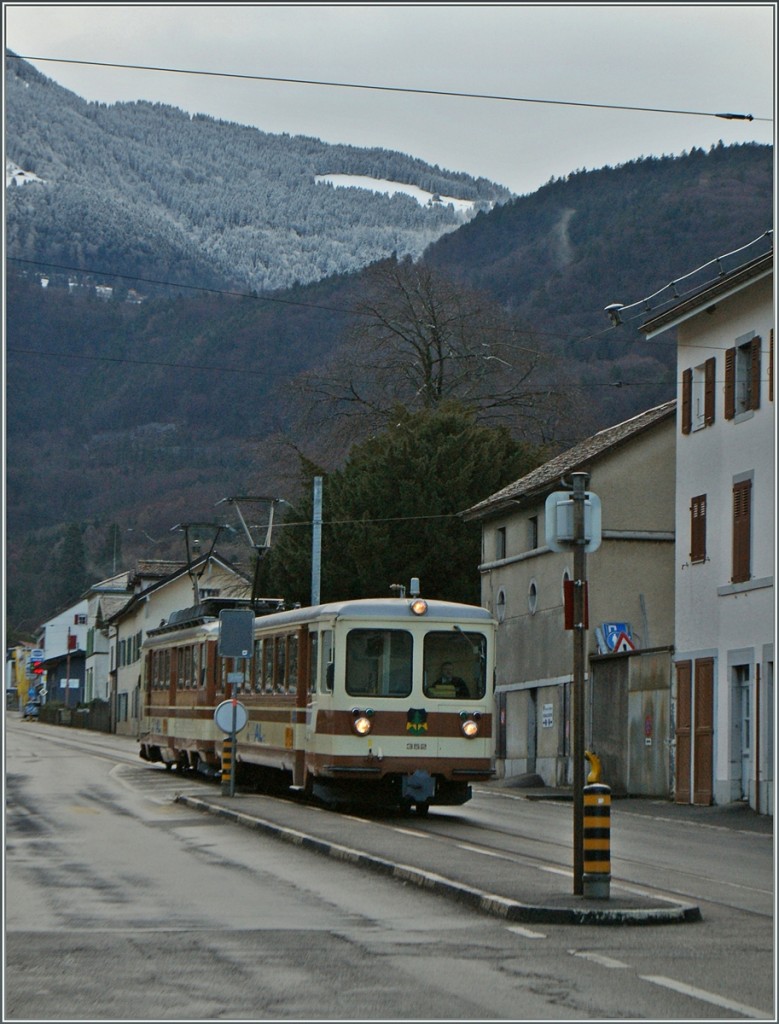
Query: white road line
{"points": [[483, 852], [598, 958], [526, 933], [707, 997]]}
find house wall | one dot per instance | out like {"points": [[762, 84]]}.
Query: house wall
{"points": [[733, 623], [630, 578]]}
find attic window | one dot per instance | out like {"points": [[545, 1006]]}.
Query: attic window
{"points": [[205, 592]]}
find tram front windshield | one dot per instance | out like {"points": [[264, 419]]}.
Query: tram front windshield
{"points": [[379, 663]]}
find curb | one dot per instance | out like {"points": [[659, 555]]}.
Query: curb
{"points": [[489, 903]]}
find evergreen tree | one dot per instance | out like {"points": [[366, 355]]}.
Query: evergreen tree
{"points": [[392, 512], [70, 566]]}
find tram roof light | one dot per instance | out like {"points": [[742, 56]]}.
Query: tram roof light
{"points": [[418, 606]]}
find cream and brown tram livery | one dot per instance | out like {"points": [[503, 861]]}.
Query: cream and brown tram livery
{"points": [[384, 702]]}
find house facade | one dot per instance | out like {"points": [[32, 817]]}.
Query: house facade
{"points": [[63, 639], [631, 470], [104, 599], [725, 524], [156, 590]]}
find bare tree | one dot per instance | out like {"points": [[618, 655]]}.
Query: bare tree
{"points": [[419, 339]]}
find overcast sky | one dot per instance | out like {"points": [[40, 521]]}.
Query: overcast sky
{"points": [[698, 58]]}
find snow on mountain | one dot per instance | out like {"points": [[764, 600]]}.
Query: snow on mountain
{"points": [[389, 188], [14, 175]]}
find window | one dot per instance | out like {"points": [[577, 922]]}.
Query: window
{"points": [[378, 662], [455, 665], [532, 597], [698, 396], [328, 660], [532, 533], [742, 531], [698, 529], [80, 620], [742, 378], [500, 543], [500, 605], [313, 661]]}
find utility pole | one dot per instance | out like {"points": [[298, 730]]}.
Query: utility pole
{"points": [[579, 495], [316, 543]]}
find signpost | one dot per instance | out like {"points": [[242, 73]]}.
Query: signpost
{"points": [[572, 519], [236, 640]]}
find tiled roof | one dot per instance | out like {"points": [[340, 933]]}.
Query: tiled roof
{"points": [[578, 459], [154, 569]]}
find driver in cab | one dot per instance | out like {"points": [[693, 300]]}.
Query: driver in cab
{"points": [[448, 684]]}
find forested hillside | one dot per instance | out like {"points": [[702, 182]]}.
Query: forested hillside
{"points": [[129, 417], [142, 190]]}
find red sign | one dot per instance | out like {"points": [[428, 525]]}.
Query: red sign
{"points": [[568, 586]]}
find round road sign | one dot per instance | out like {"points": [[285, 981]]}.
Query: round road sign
{"points": [[231, 716]]}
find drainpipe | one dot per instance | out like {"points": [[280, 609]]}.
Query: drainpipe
{"points": [[757, 739]]}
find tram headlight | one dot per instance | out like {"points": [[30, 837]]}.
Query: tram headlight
{"points": [[469, 723], [418, 606], [362, 721]]}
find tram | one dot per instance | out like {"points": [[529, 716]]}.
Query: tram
{"points": [[384, 702]]}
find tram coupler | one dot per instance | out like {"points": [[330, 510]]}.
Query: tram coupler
{"points": [[596, 877]]}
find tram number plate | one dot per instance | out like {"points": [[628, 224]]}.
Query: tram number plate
{"points": [[416, 746]]}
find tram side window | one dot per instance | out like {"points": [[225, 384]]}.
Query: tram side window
{"points": [[313, 661], [258, 666], [281, 664], [328, 661], [455, 665], [292, 664], [378, 662], [268, 648]]}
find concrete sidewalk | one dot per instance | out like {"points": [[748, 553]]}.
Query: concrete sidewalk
{"points": [[532, 894]]}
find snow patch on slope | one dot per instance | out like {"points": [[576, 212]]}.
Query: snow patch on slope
{"points": [[391, 187]]}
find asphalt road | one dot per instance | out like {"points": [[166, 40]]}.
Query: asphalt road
{"points": [[123, 904]]}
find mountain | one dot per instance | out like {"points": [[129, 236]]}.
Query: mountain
{"points": [[143, 190], [144, 405]]}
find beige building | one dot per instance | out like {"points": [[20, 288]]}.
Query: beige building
{"points": [[630, 575]]}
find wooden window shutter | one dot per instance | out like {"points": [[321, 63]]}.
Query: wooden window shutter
{"points": [[686, 401], [754, 369], [730, 383], [742, 531], [709, 400], [698, 529]]}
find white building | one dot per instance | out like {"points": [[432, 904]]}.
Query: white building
{"points": [[725, 529], [104, 599], [63, 639]]}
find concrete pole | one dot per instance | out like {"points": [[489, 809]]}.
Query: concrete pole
{"points": [[316, 543]]}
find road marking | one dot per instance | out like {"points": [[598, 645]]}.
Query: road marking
{"points": [[707, 997], [598, 958], [483, 852], [526, 933]]}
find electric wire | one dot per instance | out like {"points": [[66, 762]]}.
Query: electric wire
{"points": [[390, 88]]}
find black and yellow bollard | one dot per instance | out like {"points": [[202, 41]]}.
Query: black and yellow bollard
{"points": [[227, 766], [596, 833]]}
